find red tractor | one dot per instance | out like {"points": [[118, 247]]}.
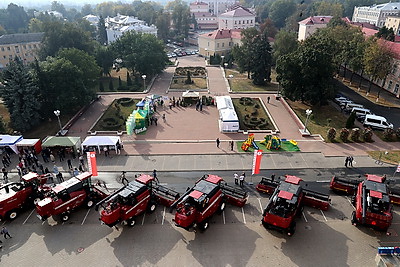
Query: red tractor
{"points": [[18, 195], [141, 195], [60, 200], [287, 200], [372, 199], [208, 196]]}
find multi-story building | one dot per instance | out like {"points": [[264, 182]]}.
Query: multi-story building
{"points": [[310, 25], [22, 45], [217, 7], [376, 14], [204, 19], [219, 42], [394, 23], [392, 81], [198, 6], [238, 18]]}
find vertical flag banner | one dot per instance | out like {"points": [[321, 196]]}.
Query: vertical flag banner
{"points": [[92, 164], [256, 161]]}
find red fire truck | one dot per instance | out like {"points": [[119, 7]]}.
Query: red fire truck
{"points": [[17, 195], [208, 196], [141, 195], [60, 200], [287, 200], [372, 200]]}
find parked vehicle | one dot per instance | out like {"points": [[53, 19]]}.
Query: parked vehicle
{"points": [[16, 196], [208, 196], [60, 200], [141, 195], [361, 113], [288, 198], [372, 200], [377, 122], [350, 106]]}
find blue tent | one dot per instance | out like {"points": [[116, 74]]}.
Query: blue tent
{"points": [[141, 104], [11, 141]]}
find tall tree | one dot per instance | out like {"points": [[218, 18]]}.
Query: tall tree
{"points": [[17, 19], [163, 24], [262, 59], [243, 54], [87, 9], [328, 9], [21, 96], [269, 27], [59, 7], [102, 32], [385, 33], [105, 59], [280, 10], [285, 43]]}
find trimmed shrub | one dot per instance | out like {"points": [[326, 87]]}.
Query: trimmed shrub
{"points": [[331, 134], [350, 121], [246, 101], [344, 134], [388, 134], [355, 134], [367, 134], [398, 133]]}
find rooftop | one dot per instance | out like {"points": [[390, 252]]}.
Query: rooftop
{"points": [[316, 20], [19, 38], [238, 12], [223, 34]]}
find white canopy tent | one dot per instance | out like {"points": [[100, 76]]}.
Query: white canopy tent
{"points": [[228, 119], [187, 94], [98, 141], [10, 141]]}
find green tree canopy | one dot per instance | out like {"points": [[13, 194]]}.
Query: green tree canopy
{"points": [[385, 33], [285, 43], [105, 59], [280, 10], [102, 32]]}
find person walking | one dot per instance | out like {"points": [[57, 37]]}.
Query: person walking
{"points": [[52, 158], [218, 142], [163, 117], [273, 177], [346, 161], [351, 159], [5, 233], [69, 162], [81, 160], [241, 180], [155, 119], [5, 174], [236, 177], [268, 98], [232, 144], [75, 172], [155, 175], [105, 149]]}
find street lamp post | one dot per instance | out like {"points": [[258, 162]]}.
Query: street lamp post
{"points": [[144, 81], [308, 113], [222, 60], [225, 65], [57, 113]]}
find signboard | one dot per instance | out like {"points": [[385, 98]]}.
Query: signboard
{"points": [[92, 164], [256, 161]]}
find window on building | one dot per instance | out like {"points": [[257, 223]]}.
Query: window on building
{"points": [[8, 48], [223, 44], [24, 46], [251, 21], [16, 49], [235, 21], [394, 69], [29, 46], [239, 21], [208, 44], [2, 49], [396, 88], [217, 45], [390, 85], [247, 21], [34, 45], [4, 57]]}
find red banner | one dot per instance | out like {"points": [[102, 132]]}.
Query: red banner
{"points": [[92, 164], [256, 161]]}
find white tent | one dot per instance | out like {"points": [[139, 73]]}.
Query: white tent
{"points": [[228, 119], [98, 141], [190, 94], [10, 141]]}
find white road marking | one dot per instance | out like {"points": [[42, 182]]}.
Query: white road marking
{"points": [[223, 216], [28, 216], [163, 184], [350, 202], [301, 154], [323, 215], [259, 201], [84, 219], [244, 218], [163, 217], [323, 181], [304, 216], [144, 215], [43, 222]]}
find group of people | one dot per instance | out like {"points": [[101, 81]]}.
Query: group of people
{"points": [[239, 180], [348, 161]]}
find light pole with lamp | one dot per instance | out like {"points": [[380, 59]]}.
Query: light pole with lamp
{"points": [[225, 65], [222, 60], [144, 81], [57, 113], [308, 113]]}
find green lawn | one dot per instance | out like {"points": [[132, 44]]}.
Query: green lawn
{"points": [[198, 83], [246, 85], [391, 157], [119, 117], [261, 120]]}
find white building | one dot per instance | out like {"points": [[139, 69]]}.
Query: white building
{"points": [[238, 18], [376, 14], [310, 25], [204, 19], [217, 7], [120, 24]]}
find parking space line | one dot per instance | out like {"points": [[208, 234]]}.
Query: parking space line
{"points": [[43, 222], [259, 201], [28, 216], [84, 219], [223, 216], [289, 161], [304, 216], [3, 223], [323, 215], [163, 217], [244, 218], [144, 215], [350, 202], [304, 160], [272, 158]]}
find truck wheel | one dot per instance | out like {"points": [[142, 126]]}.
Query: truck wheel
{"points": [[151, 207], [354, 218], [221, 207], [132, 222], [12, 214], [89, 203], [36, 200], [204, 225], [292, 229], [64, 217]]}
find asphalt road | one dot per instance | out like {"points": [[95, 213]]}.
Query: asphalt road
{"points": [[234, 238]]}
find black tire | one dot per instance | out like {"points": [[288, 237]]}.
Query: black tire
{"points": [[151, 207], [64, 217], [292, 229], [354, 219], [204, 225], [132, 222], [221, 207], [90, 203], [12, 214]]}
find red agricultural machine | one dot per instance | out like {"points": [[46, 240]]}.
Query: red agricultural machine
{"points": [[372, 200], [141, 195], [287, 201], [208, 196], [17, 195], [60, 200]]}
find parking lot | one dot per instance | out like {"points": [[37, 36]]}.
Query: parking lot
{"points": [[235, 238]]}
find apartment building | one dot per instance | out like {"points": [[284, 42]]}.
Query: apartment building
{"points": [[237, 18], [219, 42], [376, 14]]}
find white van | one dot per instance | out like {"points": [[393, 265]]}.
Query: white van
{"points": [[350, 106], [361, 113], [377, 122]]}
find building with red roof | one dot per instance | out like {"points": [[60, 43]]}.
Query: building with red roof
{"points": [[237, 18], [310, 25], [219, 42]]}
